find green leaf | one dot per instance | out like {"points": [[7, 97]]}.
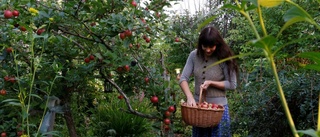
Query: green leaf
{"points": [[313, 67], [314, 56], [14, 102], [294, 15], [34, 95], [230, 6], [265, 43], [10, 100], [310, 132], [296, 12]]}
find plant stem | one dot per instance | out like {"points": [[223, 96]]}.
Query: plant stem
{"points": [[31, 83], [319, 114], [261, 21], [282, 97], [246, 15]]}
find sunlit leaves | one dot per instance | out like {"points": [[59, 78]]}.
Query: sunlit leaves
{"points": [[270, 3]]}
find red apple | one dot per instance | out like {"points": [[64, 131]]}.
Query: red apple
{"points": [[91, 57], [93, 24], [3, 92], [128, 33], [87, 60], [40, 31], [134, 3], [171, 109], [120, 97], [154, 99], [146, 80], [6, 78], [9, 50], [8, 14], [122, 35], [167, 113], [166, 121], [22, 28], [214, 106], [177, 39], [127, 67], [15, 13], [148, 40]]}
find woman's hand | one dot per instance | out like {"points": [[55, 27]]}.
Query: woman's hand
{"points": [[191, 102], [205, 84]]}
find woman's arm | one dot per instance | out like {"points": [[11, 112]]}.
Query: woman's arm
{"points": [[186, 90], [184, 78], [227, 84]]}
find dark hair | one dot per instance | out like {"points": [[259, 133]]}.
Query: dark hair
{"points": [[209, 37]]}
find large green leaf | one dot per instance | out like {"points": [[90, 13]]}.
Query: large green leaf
{"points": [[294, 15], [309, 132], [314, 56], [265, 43]]}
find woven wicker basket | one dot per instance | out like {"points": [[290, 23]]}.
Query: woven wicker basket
{"points": [[201, 117]]}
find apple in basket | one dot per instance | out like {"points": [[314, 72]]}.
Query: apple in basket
{"points": [[204, 105]]}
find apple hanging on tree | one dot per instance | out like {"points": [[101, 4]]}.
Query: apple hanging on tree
{"points": [[154, 99], [146, 80], [128, 33], [127, 68], [167, 113], [87, 60], [40, 31], [171, 109], [3, 92], [148, 40], [134, 3], [15, 13], [9, 50], [177, 39], [122, 35], [166, 121], [7, 14], [91, 57], [22, 28]]}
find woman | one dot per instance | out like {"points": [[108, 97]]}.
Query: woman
{"points": [[214, 80]]}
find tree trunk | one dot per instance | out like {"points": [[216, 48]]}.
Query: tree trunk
{"points": [[70, 123]]}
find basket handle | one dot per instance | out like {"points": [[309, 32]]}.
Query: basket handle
{"points": [[202, 93]]}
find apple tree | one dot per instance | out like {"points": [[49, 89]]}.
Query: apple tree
{"points": [[80, 49]]}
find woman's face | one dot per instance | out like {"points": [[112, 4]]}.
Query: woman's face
{"points": [[208, 51]]}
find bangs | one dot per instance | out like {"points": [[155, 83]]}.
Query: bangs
{"points": [[207, 41]]}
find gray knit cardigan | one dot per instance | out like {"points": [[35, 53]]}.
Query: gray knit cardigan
{"points": [[202, 71]]}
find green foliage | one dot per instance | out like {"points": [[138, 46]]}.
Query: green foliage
{"points": [[111, 119], [264, 110]]}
